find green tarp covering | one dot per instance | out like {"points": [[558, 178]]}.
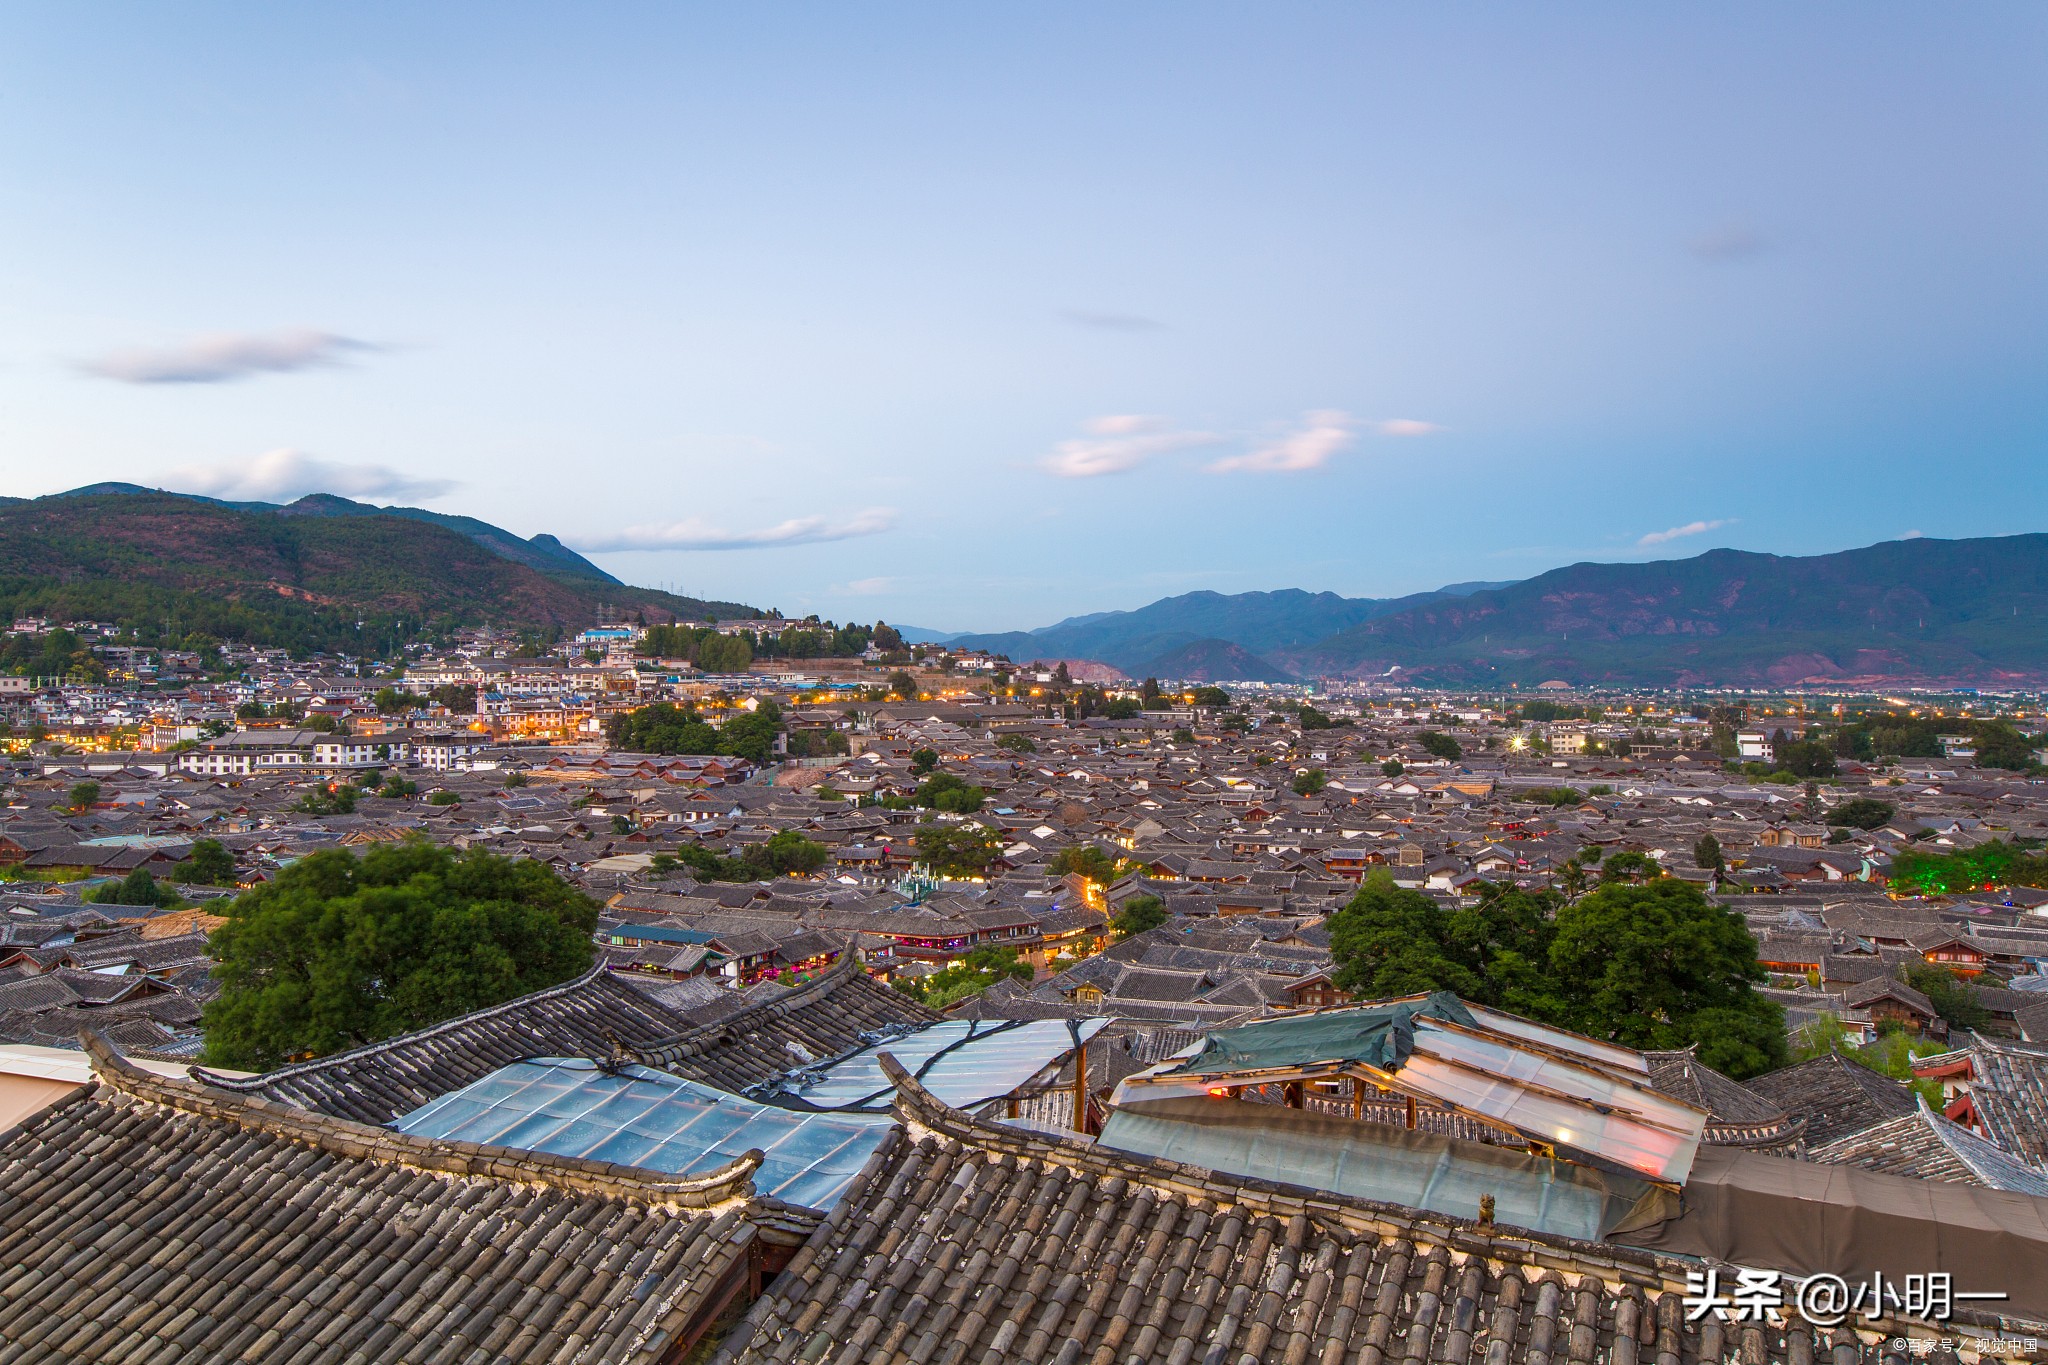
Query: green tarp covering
{"points": [[1380, 1036]]}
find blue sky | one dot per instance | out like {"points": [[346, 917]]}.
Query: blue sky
{"points": [[974, 317]]}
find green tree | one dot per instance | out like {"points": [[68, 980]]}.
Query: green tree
{"points": [[390, 701], [1310, 782], [923, 761], [340, 951], [1122, 708], [1138, 914], [945, 792], [1016, 743], [137, 888], [785, 852], [1441, 745], [1088, 860], [1999, 745], [1628, 866], [515, 778], [1211, 696], [971, 975], [1953, 998], [1862, 812], [1706, 853], [83, 795], [1392, 768], [333, 798], [1312, 719], [1571, 879], [210, 864], [1658, 965], [903, 685], [886, 637], [1390, 940], [961, 850]]}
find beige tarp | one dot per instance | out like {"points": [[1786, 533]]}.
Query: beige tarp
{"points": [[1810, 1219]]}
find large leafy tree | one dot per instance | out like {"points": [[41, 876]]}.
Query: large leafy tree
{"points": [[1649, 965], [665, 728], [1658, 965], [1390, 940], [962, 850], [339, 951]]}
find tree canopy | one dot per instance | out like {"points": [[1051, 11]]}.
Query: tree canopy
{"points": [[971, 975], [339, 951], [1862, 812], [959, 850], [1138, 914], [786, 851], [1650, 965], [665, 728], [1441, 745]]}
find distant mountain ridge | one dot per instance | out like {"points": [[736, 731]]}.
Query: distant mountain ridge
{"points": [[1194, 634], [320, 573], [1968, 612], [542, 552], [1971, 612]]}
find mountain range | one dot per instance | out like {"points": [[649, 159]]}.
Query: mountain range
{"points": [[322, 572], [1925, 611]]}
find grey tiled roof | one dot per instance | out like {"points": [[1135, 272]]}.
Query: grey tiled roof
{"points": [[824, 1017], [1836, 1097], [586, 1017], [209, 1227], [970, 1241]]}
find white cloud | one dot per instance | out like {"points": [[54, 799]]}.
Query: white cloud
{"points": [[285, 475], [1914, 535], [694, 533], [868, 587], [1691, 528], [1322, 433], [1406, 426], [220, 357], [1118, 443]]}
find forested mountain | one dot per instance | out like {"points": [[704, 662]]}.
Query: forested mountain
{"points": [[1147, 641], [1961, 612], [176, 567], [1965, 612], [542, 552]]}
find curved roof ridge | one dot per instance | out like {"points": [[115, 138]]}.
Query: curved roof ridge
{"points": [[920, 1109], [1981, 1156], [726, 1185], [263, 1079], [702, 1038]]}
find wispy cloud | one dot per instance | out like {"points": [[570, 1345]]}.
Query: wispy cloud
{"points": [[1405, 426], [218, 358], [285, 475], [1118, 443], [1729, 242], [1691, 528], [867, 587], [694, 533], [1110, 322], [1322, 434]]}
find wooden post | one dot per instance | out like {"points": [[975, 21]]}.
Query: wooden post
{"points": [[1411, 1111], [1081, 1088], [1357, 1098]]}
